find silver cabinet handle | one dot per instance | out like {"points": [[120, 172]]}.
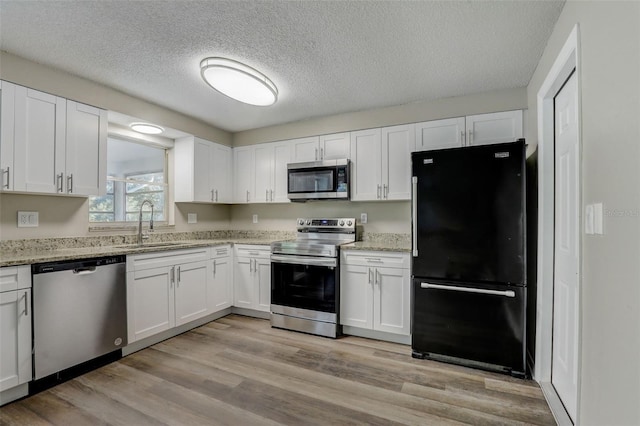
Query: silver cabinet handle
{"points": [[374, 259], [316, 154], [214, 267], [462, 138], [254, 253], [378, 193], [220, 252], [178, 280], [59, 182], [470, 139], [414, 215], [385, 189], [26, 304], [370, 278], [173, 276], [322, 153], [247, 196], [506, 293], [70, 183], [266, 195], [377, 277], [216, 195], [6, 185], [271, 194]]}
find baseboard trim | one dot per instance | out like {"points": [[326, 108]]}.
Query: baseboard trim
{"points": [[376, 335], [555, 404], [251, 313]]}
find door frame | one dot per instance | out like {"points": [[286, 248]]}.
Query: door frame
{"points": [[566, 62]]}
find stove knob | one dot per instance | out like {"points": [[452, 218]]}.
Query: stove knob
{"points": [[301, 222], [308, 222], [342, 223], [349, 223]]}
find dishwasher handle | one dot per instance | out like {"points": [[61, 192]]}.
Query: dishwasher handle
{"points": [[85, 271]]}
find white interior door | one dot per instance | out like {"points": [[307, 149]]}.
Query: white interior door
{"points": [[564, 373]]}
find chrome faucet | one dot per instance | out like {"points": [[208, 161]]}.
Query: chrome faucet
{"points": [[140, 236]]}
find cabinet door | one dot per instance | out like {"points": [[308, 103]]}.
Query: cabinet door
{"points": [[356, 296], [305, 149], [397, 144], [281, 157], [150, 302], [263, 285], [220, 292], [263, 172], [7, 126], [221, 173], [15, 338], [191, 291], [336, 146], [499, 127], [243, 173], [391, 302], [202, 171], [243, 288], [86, 150], [39, 141], [366, 165], [440, 134]]}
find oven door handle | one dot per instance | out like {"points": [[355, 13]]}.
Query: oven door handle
{"points": [[304, 260]]}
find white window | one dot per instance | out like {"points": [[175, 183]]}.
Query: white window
{"points": [[135, 172]]}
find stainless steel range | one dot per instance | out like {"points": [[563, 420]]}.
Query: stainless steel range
{"points": [[305, 276]]}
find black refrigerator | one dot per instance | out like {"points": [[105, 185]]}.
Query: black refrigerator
{"points": [[469, 256]]}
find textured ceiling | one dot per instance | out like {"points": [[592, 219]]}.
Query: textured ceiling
{"points": [[325, 57]]}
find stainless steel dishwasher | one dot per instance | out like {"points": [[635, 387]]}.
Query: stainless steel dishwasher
{"points": [[79, 312]]}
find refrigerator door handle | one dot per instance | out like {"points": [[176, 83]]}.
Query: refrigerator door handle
{"points": [[506, 293], [414, 215]]}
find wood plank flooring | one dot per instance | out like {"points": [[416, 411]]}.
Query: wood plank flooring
{"points": [[239, 371]]}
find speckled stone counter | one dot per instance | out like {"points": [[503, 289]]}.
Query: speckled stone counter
{"points": [[25, 252], [381, 242]]}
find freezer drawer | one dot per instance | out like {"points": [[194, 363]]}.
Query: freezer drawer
{"points": [[481, 326]]}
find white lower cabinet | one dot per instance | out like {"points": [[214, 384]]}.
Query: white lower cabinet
{"points": [[15, 326], [252, 277], [375, 290], [165, 290], [220, 291]]}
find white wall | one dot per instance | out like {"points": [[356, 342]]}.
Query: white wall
{"points": [[610, 311]]}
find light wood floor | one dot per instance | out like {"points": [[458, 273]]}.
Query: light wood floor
{"points": [[239, 371]]}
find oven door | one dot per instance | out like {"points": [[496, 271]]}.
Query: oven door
{"points": [[305, 282]]}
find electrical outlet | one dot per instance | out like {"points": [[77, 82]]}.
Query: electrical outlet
{"points": [[28, 219], [255, 218], [192, 218], [363, 218]]}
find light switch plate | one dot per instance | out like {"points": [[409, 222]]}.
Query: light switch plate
{"points": [[588, 219], [28, 219], [255, 218], [192, 218], [597, 219], [363, 218]]}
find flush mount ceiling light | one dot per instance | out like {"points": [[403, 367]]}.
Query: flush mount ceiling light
{"points": [[146, 128], [238, 81]]}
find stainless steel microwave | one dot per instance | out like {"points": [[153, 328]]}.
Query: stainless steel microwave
{"points": [[318, 180]]}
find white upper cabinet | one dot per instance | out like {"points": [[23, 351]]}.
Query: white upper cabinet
{"points": [[271, 172], [440, 134], [51, 145], [202, 172], [398, 142], [481, 129], [366, 165], [381, 163], [86, 160], [281, 157], [325, 147], [499, 127], [243, 175]]}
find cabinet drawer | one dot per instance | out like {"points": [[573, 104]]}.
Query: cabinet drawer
{"points": [[15, 278], [263, 252], [161, 259], [376, 258], [220, 251]]}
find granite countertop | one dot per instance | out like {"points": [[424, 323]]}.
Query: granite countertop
{"points": [[27, 257], [398, 246]]}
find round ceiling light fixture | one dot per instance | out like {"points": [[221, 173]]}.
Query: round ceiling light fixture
{"points": [[146, 128], [238, 81]]}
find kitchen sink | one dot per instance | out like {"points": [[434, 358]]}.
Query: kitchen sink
{"points": [[152, 245]]}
